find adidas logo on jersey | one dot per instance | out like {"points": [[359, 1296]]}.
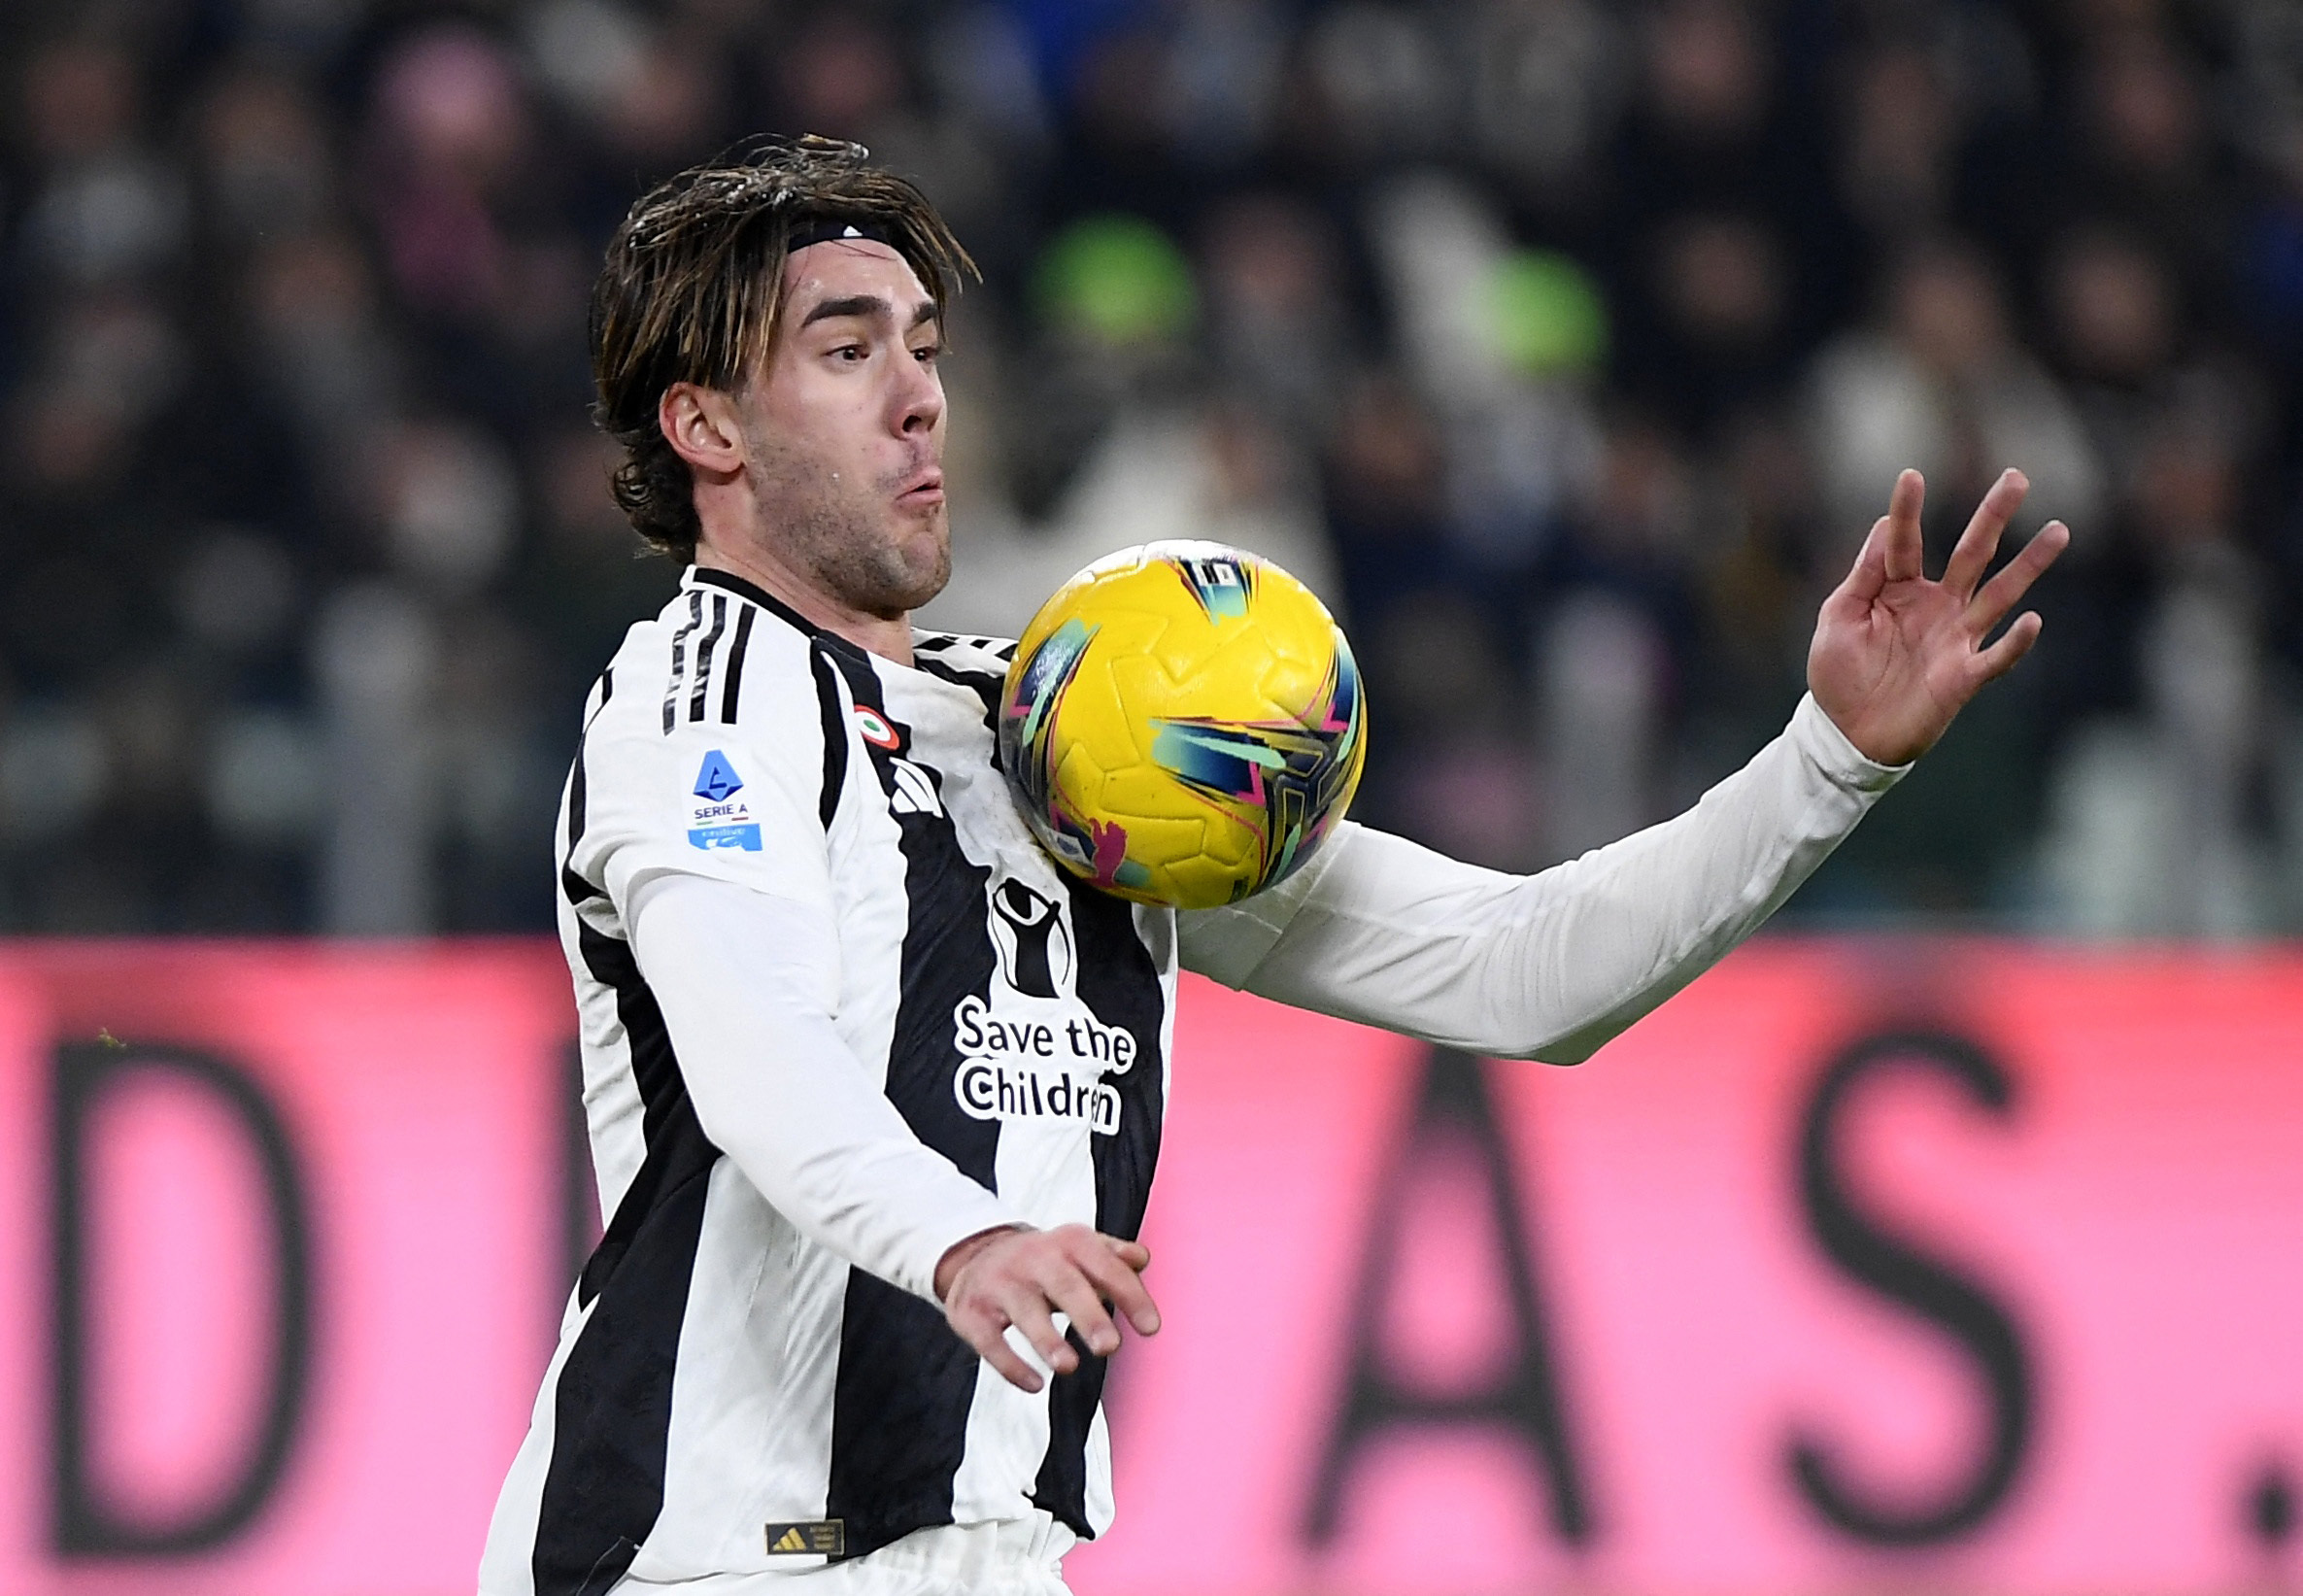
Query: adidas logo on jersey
{"points": [[915, 790], [821, 1538]]}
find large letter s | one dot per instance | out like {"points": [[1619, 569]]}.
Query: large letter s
{"points": [[1874, 1255]]}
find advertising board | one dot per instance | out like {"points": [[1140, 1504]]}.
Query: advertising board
{"points": [[1972, 1266]]}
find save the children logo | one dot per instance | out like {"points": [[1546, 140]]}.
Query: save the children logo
{"points": [[1029, 1049], [1034, 944]]}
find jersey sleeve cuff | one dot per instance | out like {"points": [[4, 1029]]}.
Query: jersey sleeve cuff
{"points": [[1827, 749], [955, 1225]]}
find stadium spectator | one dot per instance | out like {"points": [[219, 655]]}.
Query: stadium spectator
{"points": [[1564, 345]]}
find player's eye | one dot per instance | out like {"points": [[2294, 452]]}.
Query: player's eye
{"points": [[927, 353], [852, 354]]}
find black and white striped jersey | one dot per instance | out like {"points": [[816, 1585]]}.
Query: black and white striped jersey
{"points": [[1017, 1020], [940, 1032]]}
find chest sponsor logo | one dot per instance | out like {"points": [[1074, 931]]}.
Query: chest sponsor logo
{"points": [[720, 820], [1028, 1048]]}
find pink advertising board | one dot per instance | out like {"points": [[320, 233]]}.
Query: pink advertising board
{"points": [[1963, 1265]]}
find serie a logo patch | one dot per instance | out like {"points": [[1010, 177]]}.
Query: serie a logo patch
{"points": [[823, 1538], [720, 820]]}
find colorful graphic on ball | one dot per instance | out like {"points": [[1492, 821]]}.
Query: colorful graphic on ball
{"points": [[1223, 584], [1182, 724]]}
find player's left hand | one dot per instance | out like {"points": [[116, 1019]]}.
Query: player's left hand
{"points": [[1896, 656], [1020, 1276]]}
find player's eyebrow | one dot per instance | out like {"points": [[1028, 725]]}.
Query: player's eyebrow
{"points": [[870, 306]]}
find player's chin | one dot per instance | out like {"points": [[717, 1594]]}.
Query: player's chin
{"points": [[918, 559]]}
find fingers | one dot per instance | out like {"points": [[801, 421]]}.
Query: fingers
{"points": [[1972, 555], [1038, 1324], [1091, 1321], [1900, 541], [2000, 657], [995, 1351], [1024, 1278], [1076, 1287], [1117, 1281], [975, 1313], [1870, 575], [2005, 591]]}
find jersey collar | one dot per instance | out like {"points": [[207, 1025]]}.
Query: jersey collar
{"points": [[712, 576]]}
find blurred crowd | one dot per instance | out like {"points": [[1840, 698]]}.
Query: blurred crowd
{"points": [[1568, 347]]}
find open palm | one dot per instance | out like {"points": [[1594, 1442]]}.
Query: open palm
{"points": [[1896, 656]]}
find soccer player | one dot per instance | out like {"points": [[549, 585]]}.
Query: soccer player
{"points": [[874, 1090]]}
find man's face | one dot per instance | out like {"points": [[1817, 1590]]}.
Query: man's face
{"points": [[843, 429]]}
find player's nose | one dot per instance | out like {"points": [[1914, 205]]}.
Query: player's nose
{"points": [[918, 400]]}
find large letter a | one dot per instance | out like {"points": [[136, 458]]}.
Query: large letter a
{"points": [[1523, 1396]]}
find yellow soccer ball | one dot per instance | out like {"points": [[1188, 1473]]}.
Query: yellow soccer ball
{"points": [[1182, 724]]}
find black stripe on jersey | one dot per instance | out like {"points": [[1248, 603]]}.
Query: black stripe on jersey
{"points": [[980, 683], [576, 798], [703, 657], [906, 1382], [1121, 987], [943, 642], [671, 690], [734, 691], [603, 1488], [833, 710], [576, 889]]}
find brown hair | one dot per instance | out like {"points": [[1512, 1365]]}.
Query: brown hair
{"points": [[692, 291]]}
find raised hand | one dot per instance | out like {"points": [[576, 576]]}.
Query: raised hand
{"points": [[1896, 656]]}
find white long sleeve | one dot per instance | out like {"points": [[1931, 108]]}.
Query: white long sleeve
{"points": [[1549, 967], [743, 979]]}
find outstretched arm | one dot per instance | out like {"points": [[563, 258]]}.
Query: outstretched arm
{"points": [[1546, 966], [1551, 965]]}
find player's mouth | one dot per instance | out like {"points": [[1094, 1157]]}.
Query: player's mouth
{"points": [[921, 490]]}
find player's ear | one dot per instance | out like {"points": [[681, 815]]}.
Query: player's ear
{"points": [[700, 425]]}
